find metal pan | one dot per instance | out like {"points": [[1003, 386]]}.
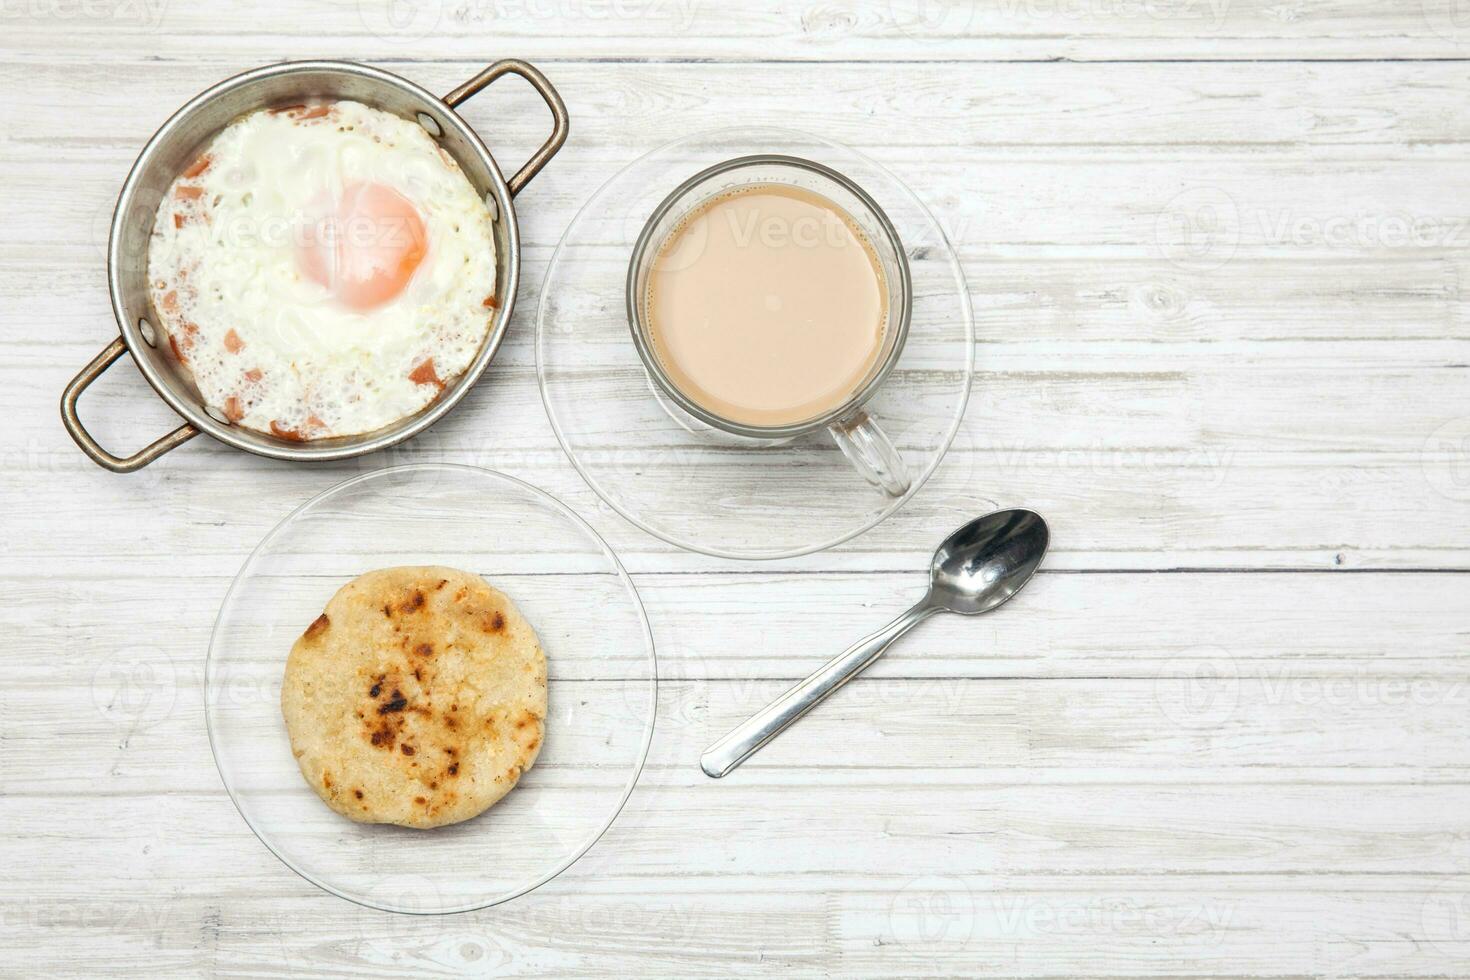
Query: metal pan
{"points": [[179, 141]]}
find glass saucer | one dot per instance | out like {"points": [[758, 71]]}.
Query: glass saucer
{"points": [[601, 684], [686, 483]]}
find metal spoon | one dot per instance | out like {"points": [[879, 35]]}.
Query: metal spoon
{"points": [[976, 569]]}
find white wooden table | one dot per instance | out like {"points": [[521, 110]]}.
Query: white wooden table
{"points": [[1218, 255]]}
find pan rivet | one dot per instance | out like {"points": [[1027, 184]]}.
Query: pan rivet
{"points": [[431, 124], [146, 329], [493, 206], [217, 415]]}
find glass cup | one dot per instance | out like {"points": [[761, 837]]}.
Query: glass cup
{"points": [[850, 425]]}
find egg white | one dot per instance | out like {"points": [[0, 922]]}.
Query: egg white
{"points": [[275, 350]]}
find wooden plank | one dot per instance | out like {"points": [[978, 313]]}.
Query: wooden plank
{"points": [[1000, 169], [920, 821], [690, 29], [1206, 405], [961, 917], [749, 625], [946, 925], [850, 835], [1022, 110], [1194, 718], [1108, 511]]}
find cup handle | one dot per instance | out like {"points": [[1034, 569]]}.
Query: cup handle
{"points": [[871, 452]]}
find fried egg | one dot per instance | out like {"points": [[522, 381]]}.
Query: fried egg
{"points": [[322, 270]]}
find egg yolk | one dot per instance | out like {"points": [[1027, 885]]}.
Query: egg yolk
{"points": [[365, 247]]}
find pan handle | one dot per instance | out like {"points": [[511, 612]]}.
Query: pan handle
{"points": [[83, 438], [532, 74]]}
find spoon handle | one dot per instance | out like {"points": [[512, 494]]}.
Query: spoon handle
{"points": [[743, 741]]}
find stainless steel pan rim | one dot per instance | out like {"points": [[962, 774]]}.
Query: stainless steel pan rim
{"points": [[259, 88]]}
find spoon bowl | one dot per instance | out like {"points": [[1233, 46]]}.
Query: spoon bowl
{"points": [[985, 562]]}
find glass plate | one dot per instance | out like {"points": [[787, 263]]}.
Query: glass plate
{"points": [[601, 684], [693, 488]]}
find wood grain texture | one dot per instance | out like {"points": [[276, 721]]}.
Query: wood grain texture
{"points": [[804, 30], [1216, 251]]}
